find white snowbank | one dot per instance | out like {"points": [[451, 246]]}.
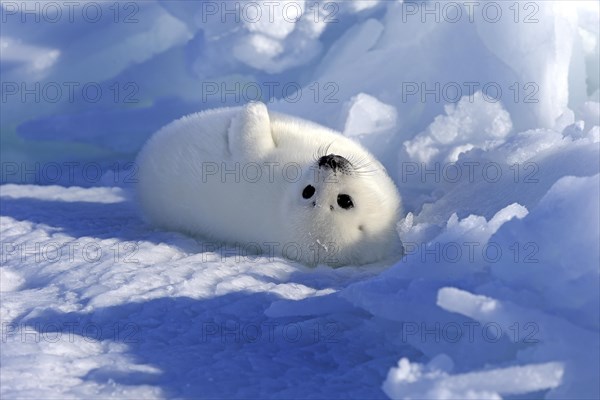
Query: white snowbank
{"points": [[527, 269]]}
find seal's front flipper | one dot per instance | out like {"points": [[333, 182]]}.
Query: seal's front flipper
{"points": [[250, 131]]}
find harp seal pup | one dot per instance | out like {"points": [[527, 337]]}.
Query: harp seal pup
{"points": [[272, 183]]}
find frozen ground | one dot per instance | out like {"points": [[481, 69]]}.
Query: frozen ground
{"points": [[497, 297]]}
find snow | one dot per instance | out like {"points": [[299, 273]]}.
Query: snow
{"points": [[498, 294], [366, 116], [474, 123], [476, 385]]}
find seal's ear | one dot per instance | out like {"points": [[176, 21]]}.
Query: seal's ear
{"points": [[250, 131]]}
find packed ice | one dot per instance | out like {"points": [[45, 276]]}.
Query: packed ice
{"points": [[486, 115]]}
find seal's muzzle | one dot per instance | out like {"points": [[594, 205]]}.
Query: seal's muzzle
{"points": [[334, 162]]}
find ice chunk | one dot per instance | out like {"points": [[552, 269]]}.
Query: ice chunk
{"points": [[473, 123], [34, 60], [9, 280], [526, 145], [357, 41], [276, 20], [554, 263], [414, 381], [368, 115], [538, 48], [453, 299], [361, 5], [276, 36]]}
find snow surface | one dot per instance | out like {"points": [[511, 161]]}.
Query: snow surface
{"points": [[498, 295]]}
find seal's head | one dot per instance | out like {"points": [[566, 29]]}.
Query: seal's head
{"points": [[345, 211]]}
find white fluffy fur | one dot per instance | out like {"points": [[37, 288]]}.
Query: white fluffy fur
{"points": [[178, 190]]}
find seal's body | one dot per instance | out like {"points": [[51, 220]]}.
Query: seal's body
{"points": [[271, 183]]}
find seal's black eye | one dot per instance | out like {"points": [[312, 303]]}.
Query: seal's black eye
{"points": [[308, 192], [345, 201]]}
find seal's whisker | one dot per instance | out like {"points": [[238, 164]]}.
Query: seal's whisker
{"points": [[316, 155], [322, 151], [328, 147], [364, 163], [367, 172]]}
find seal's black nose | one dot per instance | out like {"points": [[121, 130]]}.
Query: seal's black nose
{"points": [[334, 162]]}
